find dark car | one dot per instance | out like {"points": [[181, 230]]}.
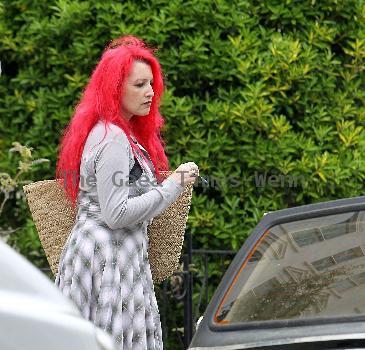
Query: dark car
{"points": [[298, 282]]}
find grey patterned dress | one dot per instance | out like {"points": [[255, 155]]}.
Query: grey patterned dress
{"points": [[104, 265]]}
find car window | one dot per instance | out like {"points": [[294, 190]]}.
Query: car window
{"points": [[302, 269]]}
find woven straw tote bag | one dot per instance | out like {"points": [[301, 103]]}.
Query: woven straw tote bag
{"points": [[54, 219]]}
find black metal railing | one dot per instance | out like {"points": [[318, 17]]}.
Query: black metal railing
{"points": [[188, 292]]}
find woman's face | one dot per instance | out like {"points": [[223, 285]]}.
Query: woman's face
{"points": [[138, 91]]}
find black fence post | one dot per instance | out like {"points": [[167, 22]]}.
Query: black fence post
{"points": [[188, 299]]}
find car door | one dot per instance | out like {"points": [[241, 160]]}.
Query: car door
{"points": [[298, 282]]}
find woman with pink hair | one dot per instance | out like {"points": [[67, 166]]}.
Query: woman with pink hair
{"points": [[112, 143]]}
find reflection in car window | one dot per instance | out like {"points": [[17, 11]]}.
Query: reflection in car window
{"points": [[303, 269]]}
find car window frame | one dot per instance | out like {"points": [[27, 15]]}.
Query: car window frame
{"points": [[270, 220]]}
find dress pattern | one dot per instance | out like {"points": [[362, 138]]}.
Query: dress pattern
{"points": [[106, 271]]}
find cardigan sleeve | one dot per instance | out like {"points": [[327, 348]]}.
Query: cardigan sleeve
{"points": [[112, 182]]}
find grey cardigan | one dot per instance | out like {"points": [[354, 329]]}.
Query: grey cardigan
{"points": [[104, 174]]}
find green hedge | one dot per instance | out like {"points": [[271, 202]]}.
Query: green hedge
{"points": [[254, 88]]}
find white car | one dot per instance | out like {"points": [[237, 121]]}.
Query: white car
{"points": [[34, 315]]}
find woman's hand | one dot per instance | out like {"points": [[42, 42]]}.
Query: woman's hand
{"points": [[185, 173]]}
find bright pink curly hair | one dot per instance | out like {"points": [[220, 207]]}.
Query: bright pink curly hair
{"points": [[101, 100]]}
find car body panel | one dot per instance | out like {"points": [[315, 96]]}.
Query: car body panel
{"points": [[34, 315], [18, 275]]}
